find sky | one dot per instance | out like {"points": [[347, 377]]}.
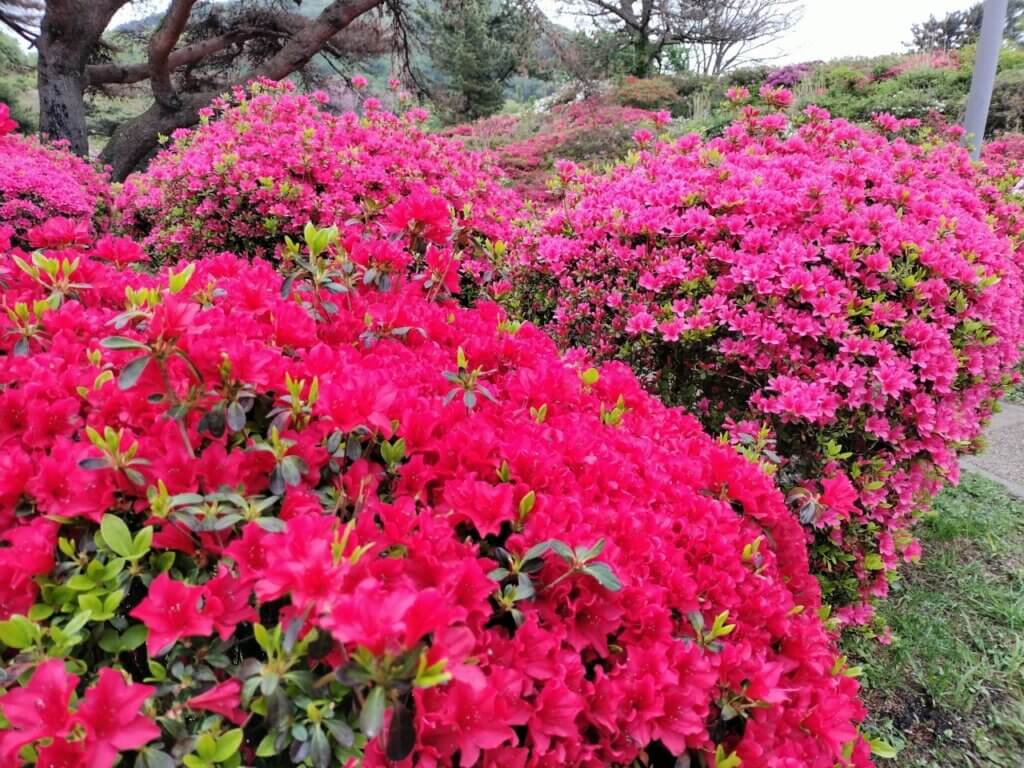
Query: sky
{"points": [[828, 29], [831, 29]]}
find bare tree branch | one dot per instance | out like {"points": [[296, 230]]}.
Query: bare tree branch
{"points": [[309, 41], [104, 74], [160, 46]]}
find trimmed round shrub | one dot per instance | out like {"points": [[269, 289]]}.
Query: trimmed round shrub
{"points": [[653, 93], [840, 288], [237, 528], [791, 75], [266, 162], [39, 182]]}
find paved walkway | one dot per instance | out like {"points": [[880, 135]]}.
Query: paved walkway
{"points": [[1003, 460]]}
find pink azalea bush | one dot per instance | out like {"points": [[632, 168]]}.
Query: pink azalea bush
{"points": [[238, 527], [841, 289], [1003, 167], [38, 182], [267, 161]]}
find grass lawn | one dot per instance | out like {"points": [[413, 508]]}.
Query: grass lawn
{"points": [[950, 690]]}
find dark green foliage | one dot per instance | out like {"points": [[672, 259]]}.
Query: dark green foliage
{"points": [[961, 28], [1006, 112], [651, 93], [16, 74], [475, 47]]}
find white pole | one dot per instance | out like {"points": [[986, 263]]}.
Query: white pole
{"points": [[985, 63]]}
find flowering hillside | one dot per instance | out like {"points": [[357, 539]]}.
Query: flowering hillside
{"points": [[280, 484], [308, 510]]}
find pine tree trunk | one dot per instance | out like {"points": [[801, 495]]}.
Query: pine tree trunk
{"points": [[137, 139], [61, 83]]}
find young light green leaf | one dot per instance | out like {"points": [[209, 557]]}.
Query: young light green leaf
{"points": [[116, 535], [372, 717]]}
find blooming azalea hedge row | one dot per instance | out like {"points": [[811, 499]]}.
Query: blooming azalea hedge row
{"points": [[247, 518], [1003, 167], [38, 182], [843, 288], [265, 162]]}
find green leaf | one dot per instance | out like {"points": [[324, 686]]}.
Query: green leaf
{"points": [[90, 602], [130, 373], [110, 641], [133, 637], [177, 282], [883, 749], [526, 504], [562, 550], [537, 550], [585, 555], [78, 621], [142, 542], [112, 601], [157, 671], [873, 562], [266, 747], [372, 717], [291, 470], [228, 744], [117, 536], [40, 612], [604, 576], [155, 758], [236, 417], [17, 632], [262, 638], [206, 747], [122, 342]]}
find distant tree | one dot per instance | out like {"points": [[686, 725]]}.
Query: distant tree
{"points": [[639, 29], [717, 34], [475, 47], [720, 34], [194, 51], [960, 28]]}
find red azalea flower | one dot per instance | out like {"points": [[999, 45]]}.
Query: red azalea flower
{"points": [[39, 710], [171, 610], [838, 494], [64, 754], [119, 250], [7, 125], [110, 714], [472, 722], [223, 699], [370, 617], [227, 602], [59, 232], [424, 213]]}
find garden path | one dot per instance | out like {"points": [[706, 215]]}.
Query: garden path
{"points": [[1003, 459]]}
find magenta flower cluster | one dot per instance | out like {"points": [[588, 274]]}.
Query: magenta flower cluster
{"points": [[266, 161], [841, 287], [38, 182]]}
